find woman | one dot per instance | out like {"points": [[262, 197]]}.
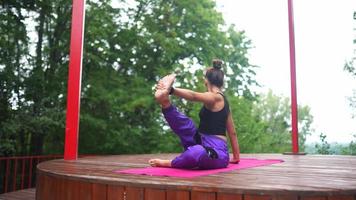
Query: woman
{"points": [[205, 147]]}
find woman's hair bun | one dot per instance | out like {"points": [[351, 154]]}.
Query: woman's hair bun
{"points": [[217, 63]]}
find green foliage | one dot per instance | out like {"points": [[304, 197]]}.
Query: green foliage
{"points": [[32, 74], [351, 148], [263, 125], [273, 116], [125, 59], [250, 128], [127, 48], [324, 147], [13, 42], [350, 67]]}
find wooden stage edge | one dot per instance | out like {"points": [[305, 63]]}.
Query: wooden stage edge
{"points": [[299, 177]]}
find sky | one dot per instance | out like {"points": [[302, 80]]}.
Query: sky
{"points": [[324, 31]]}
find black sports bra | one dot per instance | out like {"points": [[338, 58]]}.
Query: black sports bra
{"points": [[214, 123]]}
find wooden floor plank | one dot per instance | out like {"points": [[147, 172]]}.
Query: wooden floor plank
{"points": [[72, 189], [285, 197], [257, 197], [155, 194], [225, 196], [178, 195], [27, 194], [343, 197], [85, 190], [313, 198], [134, 193], [99, 191], [197, 195], [115, 192]]}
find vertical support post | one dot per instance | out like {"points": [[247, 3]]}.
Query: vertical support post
{"points": [[294, 106], [23, 173], [30, 174], [14, 180], [74, 80], [7, 174]]}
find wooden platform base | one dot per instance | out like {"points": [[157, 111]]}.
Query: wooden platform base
{"points": [[298, 178]]}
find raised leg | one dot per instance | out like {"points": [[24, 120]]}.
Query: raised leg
{"points": [[181, 125]]}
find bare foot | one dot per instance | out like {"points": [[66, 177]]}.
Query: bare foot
{"points": [[163, 87], [169, 80], [161, 94], [160, 163]]}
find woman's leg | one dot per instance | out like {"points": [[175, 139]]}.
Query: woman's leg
{"points": [[181, 125], [217, 153], [185, 129], [213, 153], [190, 158]]}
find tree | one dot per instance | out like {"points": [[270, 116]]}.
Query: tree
{"points": [[13, 54], [350, 67], [127, 48], [352, 146], [37, 88], [263, 124], [324, 147], [125, 59], [275, 113]]}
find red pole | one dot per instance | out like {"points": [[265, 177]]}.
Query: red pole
{"points": [[74, 80], [294, 106]]}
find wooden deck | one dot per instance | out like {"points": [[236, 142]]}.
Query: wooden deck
{"points": [[28, 194], [298, 178]]}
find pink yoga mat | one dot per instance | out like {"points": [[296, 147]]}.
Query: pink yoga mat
{"points": [[172, 172]]}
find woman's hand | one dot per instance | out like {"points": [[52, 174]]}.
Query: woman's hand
{"points": [[234, 160]]}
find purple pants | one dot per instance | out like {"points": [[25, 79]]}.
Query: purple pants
{"points": [[211, 152]]}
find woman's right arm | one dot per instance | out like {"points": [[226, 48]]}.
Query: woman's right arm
{"points": [[230, 127], [207, 98]]}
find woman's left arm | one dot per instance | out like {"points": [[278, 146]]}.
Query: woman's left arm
{"points": [[233, 139]]}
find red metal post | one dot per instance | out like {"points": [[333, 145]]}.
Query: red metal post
{"points": [[294, 106], [74, 80]]}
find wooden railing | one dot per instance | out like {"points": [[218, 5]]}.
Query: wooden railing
{"points": [[17, 173]]}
